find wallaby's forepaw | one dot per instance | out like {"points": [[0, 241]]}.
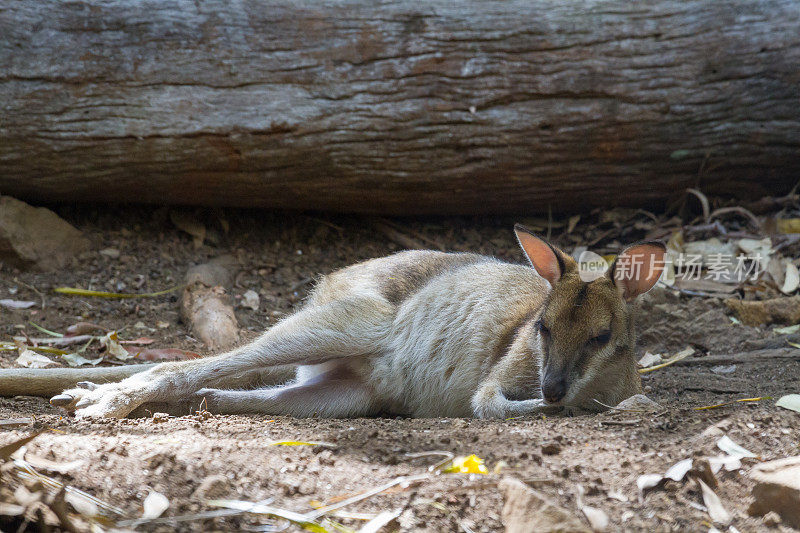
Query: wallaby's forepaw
{"points": [[112, 400]]}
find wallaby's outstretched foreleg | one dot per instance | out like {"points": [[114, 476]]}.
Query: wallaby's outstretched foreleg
{"points": [[351, 326]]}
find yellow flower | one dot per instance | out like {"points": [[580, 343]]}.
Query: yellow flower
{"points": [[471, 464]]}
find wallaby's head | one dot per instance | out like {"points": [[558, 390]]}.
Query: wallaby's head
{"points": [[586, 330]]}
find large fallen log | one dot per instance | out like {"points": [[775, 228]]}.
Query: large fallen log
{"points": [[398, 107]]}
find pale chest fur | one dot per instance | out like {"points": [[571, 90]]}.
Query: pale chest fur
{"points": [[446, 337]]}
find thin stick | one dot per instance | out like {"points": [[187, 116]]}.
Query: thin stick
{"points": [[72, 291], [743, 357], [448, 457], [415, 233], [396, 236], [313, 515], [34, 289]]}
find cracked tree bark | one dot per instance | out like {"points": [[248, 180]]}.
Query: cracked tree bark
{"points": [[398, 107]]}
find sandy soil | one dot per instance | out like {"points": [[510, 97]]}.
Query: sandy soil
{"points": [[190, 459]]}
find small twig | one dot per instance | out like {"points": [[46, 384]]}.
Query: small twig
{"points": [[631, 422], [600, 237], [687, 292], [648, 214], [715, 226], [768, 203], [326, 223], [34, 289], [185, 518], [313, 515], [786, 240], [415, 233], [713, 389], [743, 357], [59, 341], [436, 466], [396, 236]]}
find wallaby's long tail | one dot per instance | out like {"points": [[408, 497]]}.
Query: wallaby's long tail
{"points": [[51, 381]]}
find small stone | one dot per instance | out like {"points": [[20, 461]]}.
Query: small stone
{"points": [[160, 417], [551, 448], [36, 237], [250, 300], [777, 489], [639, 402], [529, 511]]}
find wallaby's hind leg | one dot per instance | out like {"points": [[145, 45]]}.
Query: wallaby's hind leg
{"points": [[335, 394], [351, 326]]}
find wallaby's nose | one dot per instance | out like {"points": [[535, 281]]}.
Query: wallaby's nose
{"points": [[554, 390]]}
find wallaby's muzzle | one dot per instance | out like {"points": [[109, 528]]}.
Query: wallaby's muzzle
{"points": [[554, 388]]}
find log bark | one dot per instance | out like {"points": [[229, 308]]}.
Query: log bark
{"points": [[398, 107]]}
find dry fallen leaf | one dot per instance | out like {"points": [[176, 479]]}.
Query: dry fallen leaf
{"points": [[113, 347], [16, 304], [753, 247], [716, 510], [677, 471], [791, 279], [731, 448], [598, 519], [650, 359], [729, 462], [31, 359], [73, 359], [790, 401], [683, 354], [646, 482]]}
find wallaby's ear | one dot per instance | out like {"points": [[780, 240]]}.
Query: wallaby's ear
{"points": [[637, 268], [545, 258]]}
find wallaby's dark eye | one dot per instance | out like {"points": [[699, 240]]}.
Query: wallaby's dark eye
{"points": [[602, 339], [544, 330]]}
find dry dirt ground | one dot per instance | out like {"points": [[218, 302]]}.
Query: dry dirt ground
{"points": [[192, 458]]}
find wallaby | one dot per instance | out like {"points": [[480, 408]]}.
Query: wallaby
{"points": [[424, 334]]}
